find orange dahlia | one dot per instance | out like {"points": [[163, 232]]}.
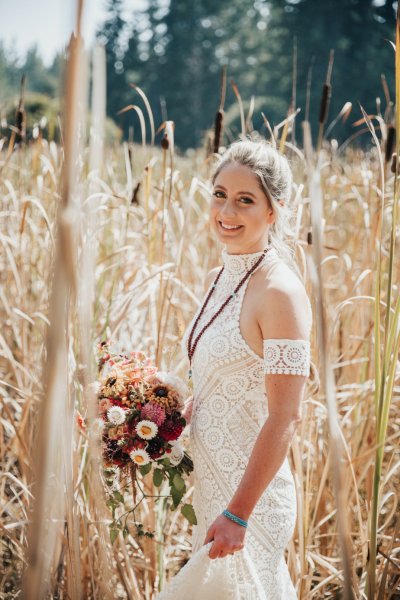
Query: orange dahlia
{"points": [[164, 395]]}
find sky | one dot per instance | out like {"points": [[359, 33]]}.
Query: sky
{"points": [[49, 23]]}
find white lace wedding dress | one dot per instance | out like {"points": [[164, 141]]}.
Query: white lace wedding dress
{"points": [[229, 410]]}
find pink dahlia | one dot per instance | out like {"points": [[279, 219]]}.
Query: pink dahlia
{"points": [[154, 412]]}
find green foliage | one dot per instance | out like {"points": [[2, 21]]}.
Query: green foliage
{"points": [[177, 491], [175, 53], [188, 512], [118, 497], [145, 468], [113, 534], [177, 496], [43, 110], [39, 108], [39, 78], [178, 482], [157, 477]]}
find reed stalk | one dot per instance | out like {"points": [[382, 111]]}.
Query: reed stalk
{"points": [[386, 352], [335, 435], [53, 452]]}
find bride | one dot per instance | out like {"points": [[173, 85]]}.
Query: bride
{"points": [[248, 347]]}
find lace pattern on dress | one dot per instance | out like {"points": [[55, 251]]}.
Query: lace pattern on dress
{"points": [[229, 410], [286, 356]]}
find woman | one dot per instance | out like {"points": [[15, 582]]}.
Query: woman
{"points": [[249, 351]]}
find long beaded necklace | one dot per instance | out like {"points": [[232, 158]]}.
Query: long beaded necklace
{"points": [[192, 347]]}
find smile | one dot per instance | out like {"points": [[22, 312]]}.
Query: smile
{"points": [[226, 227]]}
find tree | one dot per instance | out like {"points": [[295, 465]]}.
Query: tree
{"points": [[39, 78], [110, 36], [355, 29]]}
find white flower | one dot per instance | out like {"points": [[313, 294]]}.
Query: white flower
{"points": [[146, 429], [176, 454], [116, 415], [140, 457]]}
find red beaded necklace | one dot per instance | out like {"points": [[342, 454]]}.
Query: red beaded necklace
{"points": [[192, 347]]}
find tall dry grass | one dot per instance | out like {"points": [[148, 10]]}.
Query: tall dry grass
{"points": [[114, 242]]}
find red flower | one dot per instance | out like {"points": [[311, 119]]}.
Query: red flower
{"points": [[170, 429]]}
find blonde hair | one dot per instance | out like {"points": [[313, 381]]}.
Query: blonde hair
{"points": [[275, 177]]}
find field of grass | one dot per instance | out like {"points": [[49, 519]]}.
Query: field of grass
{"points": [[87, 254]]}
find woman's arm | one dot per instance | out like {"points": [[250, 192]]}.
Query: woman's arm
{"points": [[286, 315]]}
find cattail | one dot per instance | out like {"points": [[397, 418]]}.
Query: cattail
{"points": [[309, 238], [134, 199], [325, 100], [165, 142], [394, 163], [219, 120], [390, 139], [20, 124], [219, 117], [20, 115]]}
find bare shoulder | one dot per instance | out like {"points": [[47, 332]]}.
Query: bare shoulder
{"points": [[283, 307], [211, 275]]}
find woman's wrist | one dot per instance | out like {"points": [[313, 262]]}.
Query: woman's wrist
{"points": [[232, 517], [239, 511]]}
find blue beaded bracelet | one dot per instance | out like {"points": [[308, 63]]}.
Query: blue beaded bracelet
{"points": [[234, 518]]}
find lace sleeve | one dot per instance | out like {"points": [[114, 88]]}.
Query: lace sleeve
{"points": [[287, 356]]}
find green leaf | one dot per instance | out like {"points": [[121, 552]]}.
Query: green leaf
{"points": [[113, 535], [119, 497], [171, 476], [188, 511], [176, 495], [109, 471], [157, 477], [145, 469], [178, 482]]}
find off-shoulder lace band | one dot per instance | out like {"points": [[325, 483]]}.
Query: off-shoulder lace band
{"points": [[286, 356]]}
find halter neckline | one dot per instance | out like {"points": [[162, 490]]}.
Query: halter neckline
{"points": [[238, 264]]}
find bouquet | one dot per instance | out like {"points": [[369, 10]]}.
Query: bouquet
{"points": [[141, 425]]}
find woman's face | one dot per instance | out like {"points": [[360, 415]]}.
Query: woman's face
{"points": [[239, 211]]}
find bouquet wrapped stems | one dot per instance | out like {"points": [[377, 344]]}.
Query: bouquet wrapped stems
{"points": [[133, 469]]}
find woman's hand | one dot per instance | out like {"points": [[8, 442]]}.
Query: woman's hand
{"points": [[187, 411], [227, 535]]}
